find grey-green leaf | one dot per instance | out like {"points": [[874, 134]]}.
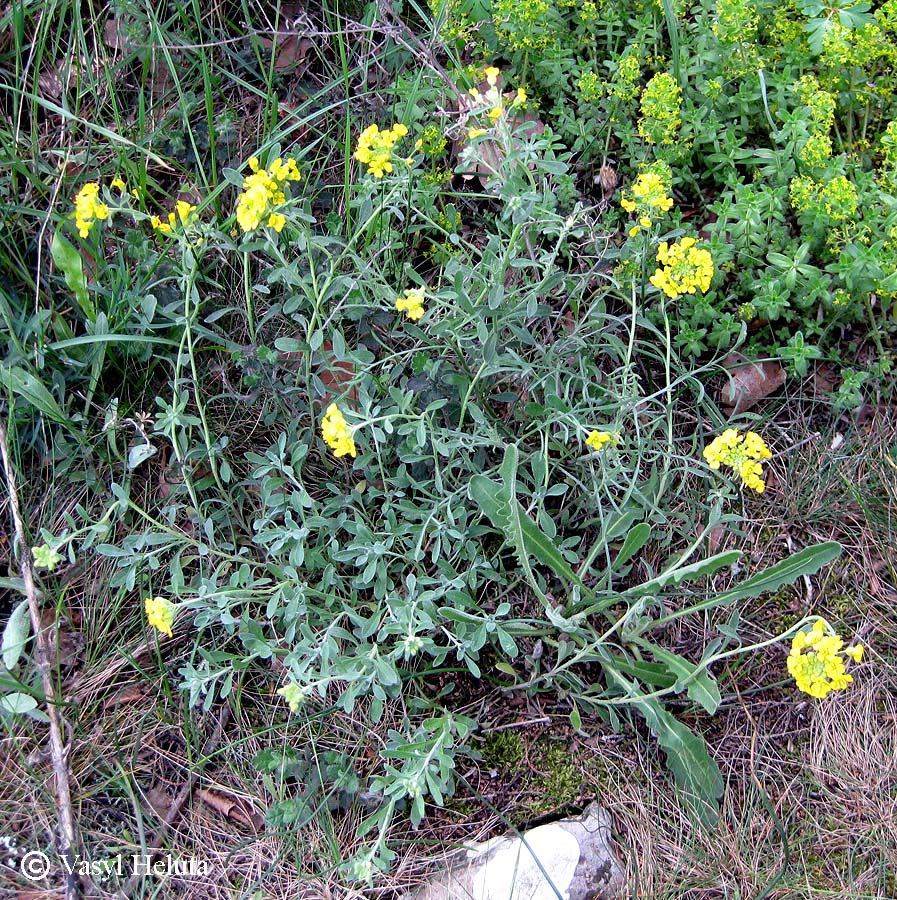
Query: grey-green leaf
{"points": [[697, 775], [635, 540], [15, 634], [69, 261], [17, 703], [805, 562], [690, 572], [701, 687], [23, 383]]}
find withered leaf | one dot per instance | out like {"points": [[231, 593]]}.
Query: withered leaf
{"points": [[233, 808], [749, 382]]}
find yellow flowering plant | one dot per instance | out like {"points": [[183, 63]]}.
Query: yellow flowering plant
{"points": [[375, 148], [684, 268], [743, 453], [598, 440], [648, 198], [160, 614], [183, 216], [336, 432], [411, 303], [264, 193], [818, 660], [89, 209]]}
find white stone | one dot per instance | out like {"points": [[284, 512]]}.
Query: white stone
{"points": [[511, 871]]}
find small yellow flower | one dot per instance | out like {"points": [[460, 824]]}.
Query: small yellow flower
{"points": [[598, 440], [160, 613], [184, 216], [294, 694], [412, 304], [336, 433], [88, 208], [118, 184], [474, 133], [816, 660], [492, 74], [46, 557]]}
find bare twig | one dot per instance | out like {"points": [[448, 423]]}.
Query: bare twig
{"points": [[67, 836]]}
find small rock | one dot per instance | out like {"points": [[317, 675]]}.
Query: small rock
{"points": [[575, 854]]}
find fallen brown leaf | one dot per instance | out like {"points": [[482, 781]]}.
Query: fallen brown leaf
{"points": [[65, 643], [336, 375], [133, 693], [159, 800], [749, 382], [232, 808]]}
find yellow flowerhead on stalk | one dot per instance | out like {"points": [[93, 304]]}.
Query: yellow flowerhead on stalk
{"points": [[647, 199], [263, 191], [160, 613], [88, 208], [375, 148], [684, 268], [817, 660], [412, 303], [336, 433], [493, 101], [184, 216], [743, 453], [46, 557], [598, 440], [294, 694]]}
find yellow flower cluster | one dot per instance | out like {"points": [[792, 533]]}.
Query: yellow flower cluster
{"points": [[294, 694], [598, 440], [493, 101], [46, 557], [160, 613], [525, 24], [646, 199], [375, 148], [742, 453], [185, 217], [816, 660], [412, 304], [685, 268], [88, 208], [263, 191], [336, 433], [660, 104]]}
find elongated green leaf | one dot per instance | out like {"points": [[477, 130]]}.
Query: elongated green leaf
{"points": [[619, 525], [520, 532], [635, 540], [805, 562], [26, 386], [69, 261], [687, 573], [697, 776], [655, 674], [15, 634], [12, 584], [701, 687]]}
